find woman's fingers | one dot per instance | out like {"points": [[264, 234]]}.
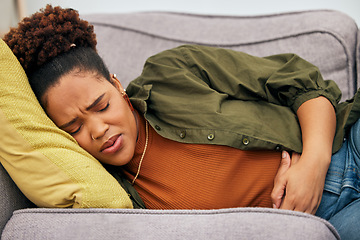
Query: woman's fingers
{"points": [[280, 181]]}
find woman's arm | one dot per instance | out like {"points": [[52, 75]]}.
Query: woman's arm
{"points": [[303, 182], [284, 79]]}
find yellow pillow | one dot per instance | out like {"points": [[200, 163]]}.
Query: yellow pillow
{"points": [[45, 162]]}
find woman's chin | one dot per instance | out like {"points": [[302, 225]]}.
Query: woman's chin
{"points": [[118, 159]]}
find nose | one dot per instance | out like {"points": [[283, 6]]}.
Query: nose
{"points": [[97, 128]]}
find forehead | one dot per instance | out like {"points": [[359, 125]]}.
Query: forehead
{"points": [[72, 93], [77, 87]]}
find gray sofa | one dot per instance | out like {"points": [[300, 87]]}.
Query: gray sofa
{"points": [[329, 39]]}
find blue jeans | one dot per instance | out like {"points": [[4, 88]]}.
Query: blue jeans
{"points": [[340, 204]]}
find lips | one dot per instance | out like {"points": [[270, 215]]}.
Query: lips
{"points": [[112, 145]]}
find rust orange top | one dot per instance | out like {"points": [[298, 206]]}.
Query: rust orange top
{"points": [[177, 175]]}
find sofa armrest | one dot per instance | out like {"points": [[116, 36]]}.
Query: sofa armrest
{"points": [[235, 223]]}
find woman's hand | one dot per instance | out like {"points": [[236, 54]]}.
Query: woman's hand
{"points": [[280, 182], [299, 183]]}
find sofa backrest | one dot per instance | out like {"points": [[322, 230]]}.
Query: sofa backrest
{"points": [[325, 38]]}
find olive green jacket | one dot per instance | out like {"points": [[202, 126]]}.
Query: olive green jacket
{"points": [[206, 95]]}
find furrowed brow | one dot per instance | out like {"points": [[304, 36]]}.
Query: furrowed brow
{"points": [[95, 102], [68, 123], [87, 109]]}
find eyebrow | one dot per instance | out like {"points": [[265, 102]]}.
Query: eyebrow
{"points": [[68, 123], [95, 102], [87, 109]]}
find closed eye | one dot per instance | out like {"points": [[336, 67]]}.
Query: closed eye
{"points": [[76, 131], [106, 107]]}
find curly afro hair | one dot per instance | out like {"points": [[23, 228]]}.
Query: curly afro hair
{"points": [[47, 34], [54, 42]]}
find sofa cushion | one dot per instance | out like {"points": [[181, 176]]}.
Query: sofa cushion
{"points": [[236, 223], [46, 163], [325, 38]]}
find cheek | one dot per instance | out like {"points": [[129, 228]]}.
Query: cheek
{"points": [[128, 117], [122, 113], [83, 142]]}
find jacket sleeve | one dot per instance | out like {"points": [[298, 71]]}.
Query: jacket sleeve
{"points": [[284, 79]]}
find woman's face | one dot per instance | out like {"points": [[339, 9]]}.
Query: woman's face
{"points": [[95, 113]]}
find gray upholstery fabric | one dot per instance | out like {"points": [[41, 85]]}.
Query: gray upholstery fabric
{"points": [[358, 59], [325, 38], [11, 198], [240, 223]]}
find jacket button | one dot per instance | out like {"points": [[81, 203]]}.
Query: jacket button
{"points": [[182, 134], [157, 127], [211, 136], [245, 141]]}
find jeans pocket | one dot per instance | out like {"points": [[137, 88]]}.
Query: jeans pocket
{"points": [[339, 191], [351, 178]]}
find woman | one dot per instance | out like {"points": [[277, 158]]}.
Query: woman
{"points": [[207, 127]]}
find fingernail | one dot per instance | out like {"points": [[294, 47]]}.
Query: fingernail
{"points": [[283, 155], [274, 205]]}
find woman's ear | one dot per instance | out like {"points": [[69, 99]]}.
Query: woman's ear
{"points": [[116, 83], [120, 88]]}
